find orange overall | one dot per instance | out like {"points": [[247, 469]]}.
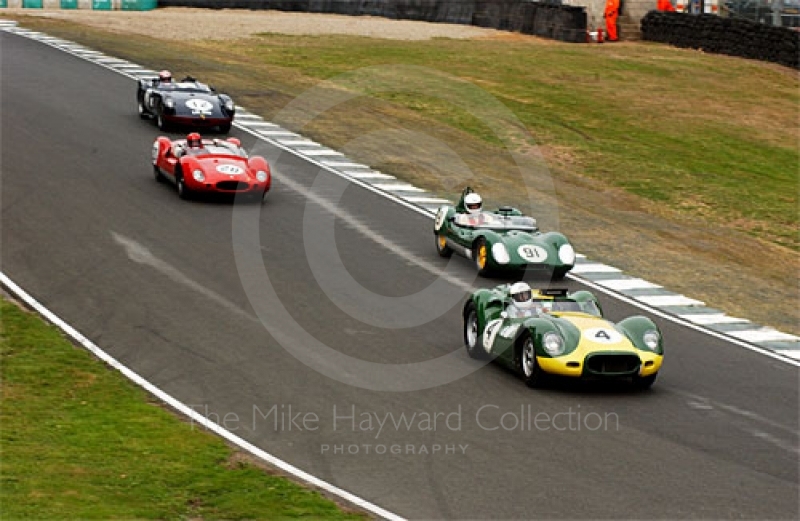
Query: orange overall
{"points": [[665, 5], [610, 14]]}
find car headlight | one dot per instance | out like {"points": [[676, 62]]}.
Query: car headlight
{"points": [[261, 176], [500, 253], [553, 344], [229, 106], [566, 254], [169, 103], [651, 339], [198, 176]]}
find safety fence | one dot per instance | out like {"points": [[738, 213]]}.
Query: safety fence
{"points": [[731, 36], [559, 22]]}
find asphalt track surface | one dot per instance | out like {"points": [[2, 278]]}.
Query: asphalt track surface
{"points": [[155, 282]]}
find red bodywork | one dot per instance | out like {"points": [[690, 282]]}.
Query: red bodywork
{"points": [[224, 165]]}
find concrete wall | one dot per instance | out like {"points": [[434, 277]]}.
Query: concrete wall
{"points": [[635, 9]]}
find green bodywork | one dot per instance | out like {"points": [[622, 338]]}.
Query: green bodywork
{"points": [[526, 246], [505, 333]]}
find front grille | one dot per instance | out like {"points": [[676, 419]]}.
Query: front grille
{"points": [[612, 364], [232, 186]]}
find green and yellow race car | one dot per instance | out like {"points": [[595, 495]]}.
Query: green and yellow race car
{"points": [[540, 333], [502, 240]]}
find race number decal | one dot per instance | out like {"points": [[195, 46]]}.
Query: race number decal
{"points": [[439, 221], [603, 335], [509, 331], [229, 170], [199, 106], [532, 253], [490, 333]]}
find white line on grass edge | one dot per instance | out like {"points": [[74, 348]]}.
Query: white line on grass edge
{"points": [[75, 335]]}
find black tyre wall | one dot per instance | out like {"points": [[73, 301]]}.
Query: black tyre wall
{"points": [[734, 37]]}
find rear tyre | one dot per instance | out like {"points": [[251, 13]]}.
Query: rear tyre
{"points": [[533, 375], [472, 338], [442, 248], [480, 255], [644, 383]]}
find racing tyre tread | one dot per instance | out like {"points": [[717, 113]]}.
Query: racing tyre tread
{"points": [[475, 351], [183, 192], [537, 378], [443, 251], [643, 383], [482, 271]]}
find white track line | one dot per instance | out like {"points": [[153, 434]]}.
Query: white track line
{"points": [[712, 318], [591, 267], [623, 284], [76, 336]]}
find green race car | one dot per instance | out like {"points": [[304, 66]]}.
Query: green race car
{"points": [[500, 240], [561, 334]]}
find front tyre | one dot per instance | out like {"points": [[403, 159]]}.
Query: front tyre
{"points": [[529, 367], [644, 383], [142, 112], [472, 338], [480, 255], [225, 128], [442, 248], [157, 174], [162, 123], [183, 191]]}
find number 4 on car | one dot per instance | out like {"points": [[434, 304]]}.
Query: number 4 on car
{"points": [[563, 334]]}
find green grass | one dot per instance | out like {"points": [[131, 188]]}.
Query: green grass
{"points": [[696, 133], [80, 441]]}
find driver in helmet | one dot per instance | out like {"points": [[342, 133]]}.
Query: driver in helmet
{"points": [[165, 77], [473, 203], [193, 142], [522, 304]]}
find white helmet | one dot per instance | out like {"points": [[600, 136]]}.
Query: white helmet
{"points": [[521, 295], [473, 202]]}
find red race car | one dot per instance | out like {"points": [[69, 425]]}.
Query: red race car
{"points": [[197, 165]]}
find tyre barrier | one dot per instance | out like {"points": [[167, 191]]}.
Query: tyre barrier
{"points": [[731, 36], [549, 20]]}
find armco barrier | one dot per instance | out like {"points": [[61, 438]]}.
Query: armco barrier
{"points": [[565, 23], [734, 37]]}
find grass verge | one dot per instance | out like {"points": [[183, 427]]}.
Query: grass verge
{"points": [[80, 441]]}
